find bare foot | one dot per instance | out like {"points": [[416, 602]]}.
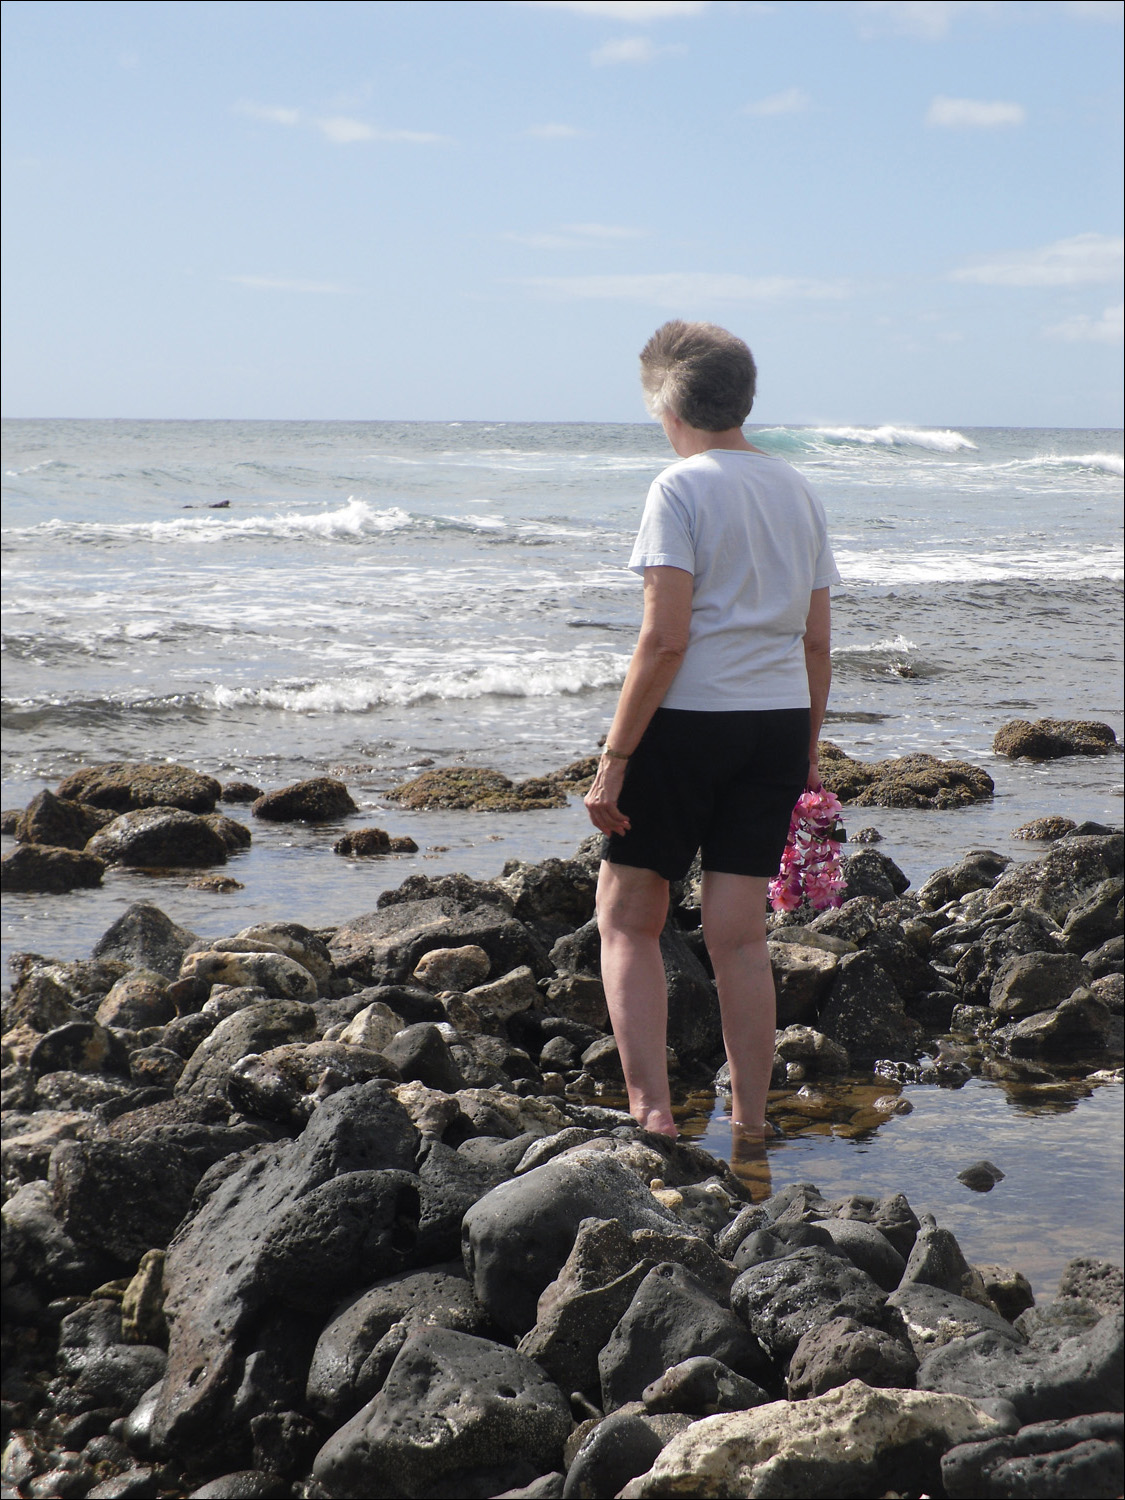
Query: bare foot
{"points": [[658, 1120], [750, 1164]]}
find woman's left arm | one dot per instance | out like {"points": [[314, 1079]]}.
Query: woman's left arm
{"points": [[659, 652]]}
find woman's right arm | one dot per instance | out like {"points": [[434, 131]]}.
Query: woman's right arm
{"points": [[818, 665]]}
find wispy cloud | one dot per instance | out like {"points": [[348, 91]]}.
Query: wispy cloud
{"points": [[577, 237], [341, 130], [926, 20], [555, 132], [686, 288], [788, 102], [1108, 329], [291, 284], [973, 114], [625, 10], [628, 49], [1082, 260]]}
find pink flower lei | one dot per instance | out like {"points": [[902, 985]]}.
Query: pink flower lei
{"points": [[810, 866]]}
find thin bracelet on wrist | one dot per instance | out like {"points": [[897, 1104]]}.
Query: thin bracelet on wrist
{"points": [[614, 754]]}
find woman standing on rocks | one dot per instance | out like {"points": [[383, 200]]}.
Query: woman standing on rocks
{"points": [[716, 728]]}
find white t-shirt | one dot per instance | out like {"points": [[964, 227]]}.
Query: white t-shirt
{"points": [[754, 536]]}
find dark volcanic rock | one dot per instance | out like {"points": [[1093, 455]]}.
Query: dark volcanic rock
{"points": [[908, 781], [291, 1229], [870, 873], [457, 1412], [478, 788], [1084, 1373], [694, 1024], [52, 820], [840, 1350], [421, 1052], [1079, 1459], [362, 843], [125, 786], [780, 1300], [702, 1386], [384, 946], [1050, 739], [1097, 1281], [624, 1445], [864, 1012], [288, 1082], [144, 938], [1031, 982], [39, 867], [516, 1238], [1065, 876], [979, 870], [256, 1028], [158, 837], [670, 1318], [103, 1194], [934, 1317], [357, 1348], [79, 1047], [316, 800]]}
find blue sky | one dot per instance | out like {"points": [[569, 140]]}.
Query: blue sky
{"points": [[912, 211]]}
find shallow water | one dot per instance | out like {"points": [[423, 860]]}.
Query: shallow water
{"points": [[372, 597]]}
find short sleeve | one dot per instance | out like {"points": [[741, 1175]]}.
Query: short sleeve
{"points": [[665, 537], [825, 572]]}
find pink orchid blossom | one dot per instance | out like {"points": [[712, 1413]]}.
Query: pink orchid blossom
{"points": [[810, 865]]}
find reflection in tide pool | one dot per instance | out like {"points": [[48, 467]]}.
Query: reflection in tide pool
{"points": [[1058, 1144]]}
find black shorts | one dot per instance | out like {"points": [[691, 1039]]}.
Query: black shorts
{"points": [[722, 783]]}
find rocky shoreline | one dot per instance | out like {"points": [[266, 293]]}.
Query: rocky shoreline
{"points": [[350, 1213]]}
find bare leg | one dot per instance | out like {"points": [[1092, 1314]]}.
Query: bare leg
{"points": [[632, 908], [734, 927]]}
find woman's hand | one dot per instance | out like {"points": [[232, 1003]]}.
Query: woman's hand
{"points": [[601, 799], [813, 782]]}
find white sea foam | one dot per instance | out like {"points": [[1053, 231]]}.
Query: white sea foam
{"points": [[533, 675], [948, 566], [897, 645], [938, 440], [355, 518], [1106, 463]]}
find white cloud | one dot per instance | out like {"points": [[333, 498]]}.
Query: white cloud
{"points": [[627, 49], [973, 114], [290, 284], [625, 10], [555, 132], [788, 102], [1108, 329], [686, 288], [270, 114], [577, 237], [926, 20], [341, 130], [1079, 261]]}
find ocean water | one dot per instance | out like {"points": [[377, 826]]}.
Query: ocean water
{"points": [[267, 601]]}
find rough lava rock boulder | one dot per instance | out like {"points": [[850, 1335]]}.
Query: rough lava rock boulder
{"points": [[458, 1415], [52, 820], [293, 1228], [316, 800], [39, 867], [386, 946], [516, 1238], [1051, 739], [158, 837], [144, 938], [126, 786]]}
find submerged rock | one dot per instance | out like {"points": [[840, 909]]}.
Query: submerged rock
{"points": [[476, 788], [127, 786], [39, 867], [906, 781], [1050, 739], [316, 800]]}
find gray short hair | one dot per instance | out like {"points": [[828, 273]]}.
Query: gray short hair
{"points": [[699, 372]]}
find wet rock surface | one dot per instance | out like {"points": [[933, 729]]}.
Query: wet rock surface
{"points": [[352, 1213]]}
